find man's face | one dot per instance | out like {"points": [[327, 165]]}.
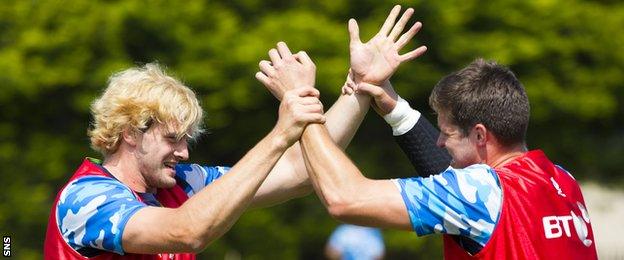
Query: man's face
{"points": [[461, 147], [158, 151]]}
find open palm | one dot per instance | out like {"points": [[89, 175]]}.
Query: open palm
{"points": [[375, 61]]}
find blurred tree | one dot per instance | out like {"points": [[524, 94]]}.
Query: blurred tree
{"points": [[55, 57]]}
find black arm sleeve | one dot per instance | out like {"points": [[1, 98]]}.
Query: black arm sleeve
{"points": [[419, 144]]}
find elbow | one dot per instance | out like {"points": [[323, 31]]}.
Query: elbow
{"points": [[341, 210], [197, 245], [348, 203], [189, 241], [193, 238]]}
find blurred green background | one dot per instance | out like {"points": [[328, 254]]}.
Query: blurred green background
{"points": [[55, 57]]}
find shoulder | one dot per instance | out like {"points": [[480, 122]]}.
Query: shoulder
{"points": [[93, 210], [91, 196], [476, 172], [85, 189], [464, 201], [475, 178], [457, 180]]}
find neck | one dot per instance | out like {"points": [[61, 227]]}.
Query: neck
{"points": [[126, 170], [501, 156]]}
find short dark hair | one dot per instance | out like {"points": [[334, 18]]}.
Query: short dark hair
{"points": [[484, 93]]}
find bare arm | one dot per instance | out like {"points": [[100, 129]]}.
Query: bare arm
{"points": [[210, 213], [346, 193]]}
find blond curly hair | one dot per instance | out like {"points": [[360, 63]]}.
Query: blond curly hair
{"points": [[137, 97]]}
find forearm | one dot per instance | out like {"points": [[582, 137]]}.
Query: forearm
{"points": [[208, 214], [220, 204], [333, 175], [287, 180], [289, 177], [345, 117], [348, 195]]}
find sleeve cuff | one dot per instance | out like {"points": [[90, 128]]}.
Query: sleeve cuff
{"points": [[402, 118]]}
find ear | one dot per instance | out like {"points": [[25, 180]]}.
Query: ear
{"points": [[481, 134], [129, 136]]}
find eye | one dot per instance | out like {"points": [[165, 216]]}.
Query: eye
{"points": [[171, 138]]}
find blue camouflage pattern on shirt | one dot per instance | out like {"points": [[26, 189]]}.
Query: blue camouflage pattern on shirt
{"points": [[464, 202], [194, 177], [93, 210]]}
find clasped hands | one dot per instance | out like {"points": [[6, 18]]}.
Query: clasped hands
{"points": [[291, 77]]}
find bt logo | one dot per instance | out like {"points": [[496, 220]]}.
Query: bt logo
{"points": [[557, 226]]}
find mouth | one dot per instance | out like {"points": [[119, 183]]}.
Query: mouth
{"points": [[170, 165]]}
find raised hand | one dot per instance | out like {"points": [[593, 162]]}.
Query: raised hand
{"points": [[286, 71], [298, 108], [375, 61]]}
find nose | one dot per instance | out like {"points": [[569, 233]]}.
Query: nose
{"points": [[181, 151]]}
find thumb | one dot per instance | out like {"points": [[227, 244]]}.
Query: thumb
{"points": [[369, 89], [383, 101]]}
